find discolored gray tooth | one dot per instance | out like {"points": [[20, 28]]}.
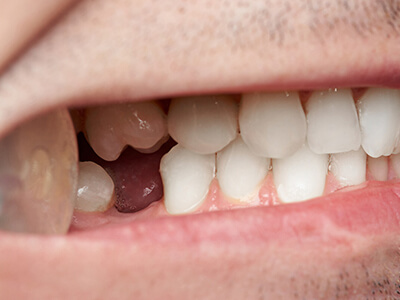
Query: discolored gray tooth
{"points": [[38, 175]]}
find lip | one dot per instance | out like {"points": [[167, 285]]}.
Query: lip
{"points": [[238, 253]]}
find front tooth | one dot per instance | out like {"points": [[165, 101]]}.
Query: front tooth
{"points": [[186, 178], [95, 188], [272, 124], [332, 122], [349, 168], [378, 168], [240, 172], [204, 124], [141, 125], [379, 111], [38, 175], [301, 176]]}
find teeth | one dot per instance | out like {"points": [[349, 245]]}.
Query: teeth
{"points": [[349, 168], [332, 122], [240, 172], [379, 111], [38, 175], [95, 188], [203, 124], [141, 125], [186, 179], [301, 176], [378, 168], [272, 124]]}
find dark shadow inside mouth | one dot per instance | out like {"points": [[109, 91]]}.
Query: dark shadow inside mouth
{"points": [[136, 175]]}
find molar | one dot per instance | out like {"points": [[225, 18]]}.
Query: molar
{"points": [[95, 188], [111, 128]]}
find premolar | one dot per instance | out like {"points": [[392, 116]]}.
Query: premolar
{"points": [[110, 129], [272, 124], [186, 178], [203, 124], [332, 122], [239, 171], [39, 174], [95, 188]]}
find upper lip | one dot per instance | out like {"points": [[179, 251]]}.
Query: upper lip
{"points": [[70, 66]]}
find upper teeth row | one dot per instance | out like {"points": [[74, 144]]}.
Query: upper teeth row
{"points": [[273, 125]]}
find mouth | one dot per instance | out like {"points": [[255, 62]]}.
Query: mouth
{"points": [[306, 208]]}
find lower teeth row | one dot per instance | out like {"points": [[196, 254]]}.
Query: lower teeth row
{"points": [[38, 195]]}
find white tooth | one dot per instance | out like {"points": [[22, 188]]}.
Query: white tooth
{"points": [[186, 178], [240, 172], [349, 168], [301, 176], [378, 167], [95, 188], [395, 160], [39, 174], [109, 129], [333, 125], [204, 124], [272, 124], [379, 112]]}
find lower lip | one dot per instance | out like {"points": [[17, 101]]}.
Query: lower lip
{"points": [[214, 243]]}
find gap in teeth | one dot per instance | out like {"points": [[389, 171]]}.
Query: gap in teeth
{"points": [[266, 148]]}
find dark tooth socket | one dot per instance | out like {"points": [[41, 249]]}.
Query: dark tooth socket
{"points": [[136, 175]]}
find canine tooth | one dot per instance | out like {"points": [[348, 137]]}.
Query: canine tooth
{"points": [[95, 188], [379, 111], [332, 120], [301, 176], [349, 168], [109, 129], [272, 124], [240, 172], [378, 167], [203, 124], [186, 178], [38, 172]]}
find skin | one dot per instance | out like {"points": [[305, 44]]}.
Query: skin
{"points": [[103, 51]]}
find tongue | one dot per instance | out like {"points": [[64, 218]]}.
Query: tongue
{"points": [[136, 175]]}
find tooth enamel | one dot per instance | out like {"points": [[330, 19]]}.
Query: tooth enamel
{"points": [[204, 124], [379, 111], [378, 168], [272, 124], [186, 178], [301, 176], [109, 129], [38, 175], [332, 122], [349, 168], [95, 188], [240, 172]]}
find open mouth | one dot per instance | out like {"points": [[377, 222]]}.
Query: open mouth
{"points": [[208, 176]]}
